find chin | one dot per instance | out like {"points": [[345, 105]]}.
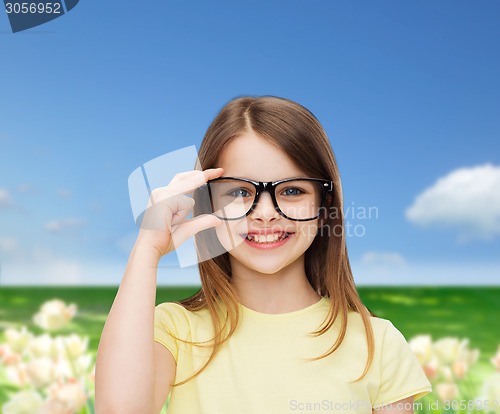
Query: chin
{"points": [[271, 270], [264, 265]]}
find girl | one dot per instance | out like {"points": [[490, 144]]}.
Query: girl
{"points": [[277, 326]]}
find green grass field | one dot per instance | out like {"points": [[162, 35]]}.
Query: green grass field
{"points": [[471, 312]]}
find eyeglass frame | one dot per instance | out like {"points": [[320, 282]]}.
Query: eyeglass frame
{"points": [[270, 187]]}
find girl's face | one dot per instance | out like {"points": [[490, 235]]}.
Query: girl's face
{"points": [[251, 156]]}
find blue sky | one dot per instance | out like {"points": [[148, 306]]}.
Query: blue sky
{"points": [[408, 93]]}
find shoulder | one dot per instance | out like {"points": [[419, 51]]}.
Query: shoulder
{"points": [[387, 337], [175, 315], [171, 306], [379, 325], [176, 310], [389, 340], [171, 316]]}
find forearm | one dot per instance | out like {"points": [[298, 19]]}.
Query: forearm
{"points": [[125, 357]]}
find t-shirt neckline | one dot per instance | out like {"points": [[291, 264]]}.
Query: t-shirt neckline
{"points": [[307, 309]]}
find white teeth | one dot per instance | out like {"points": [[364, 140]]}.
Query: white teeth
{"points": [[262, 238]]}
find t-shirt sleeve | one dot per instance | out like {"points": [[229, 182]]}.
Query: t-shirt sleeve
{"points": [[401, 373], [166, 323]]}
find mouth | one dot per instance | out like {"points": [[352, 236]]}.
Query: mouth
{"points": [[266, 238]]}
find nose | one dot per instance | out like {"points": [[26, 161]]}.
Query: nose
{"points": [[265, 210]]}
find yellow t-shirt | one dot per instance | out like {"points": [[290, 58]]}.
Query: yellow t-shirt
{"points": [[261, 368]]}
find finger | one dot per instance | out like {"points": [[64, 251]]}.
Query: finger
{"points": [[162, 214], [195, 179], [187, 182], [201, 175], [177, 200], [182, 213], [189, 228], [212, 173]]}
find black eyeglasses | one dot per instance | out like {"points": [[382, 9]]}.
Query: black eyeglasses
{"points": [[298, 199]]}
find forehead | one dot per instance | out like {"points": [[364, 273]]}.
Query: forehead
{"points": [[251, 156]]}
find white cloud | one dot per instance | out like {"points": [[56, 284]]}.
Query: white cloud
{"points": [[39, 266], [467, 199], [393, 269], [27, 188], [64, 193], [383, 259], [430, 274], [126, 243], [63, 226], [5, 198], [43, 266], [96, 206], [64, 272], [59, 271], [382, 265], [8, 244]]}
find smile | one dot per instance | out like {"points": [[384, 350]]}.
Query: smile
{"points": [[266, 241], [267, 238]]}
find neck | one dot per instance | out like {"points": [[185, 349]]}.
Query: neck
{"points": [[285, 291]]}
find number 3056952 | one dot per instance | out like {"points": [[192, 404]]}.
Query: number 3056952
{"points": [[32, 8]]}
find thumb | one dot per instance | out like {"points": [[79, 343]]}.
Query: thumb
{"points": [[189, 228]]}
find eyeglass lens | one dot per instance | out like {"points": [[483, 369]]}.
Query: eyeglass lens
{"points": [[297, 199]]}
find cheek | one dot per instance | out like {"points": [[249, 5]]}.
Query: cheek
{"points": [[308, 231], [229, 234]]}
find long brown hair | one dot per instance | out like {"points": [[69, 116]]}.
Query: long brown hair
{"points": [[296, 131]]}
